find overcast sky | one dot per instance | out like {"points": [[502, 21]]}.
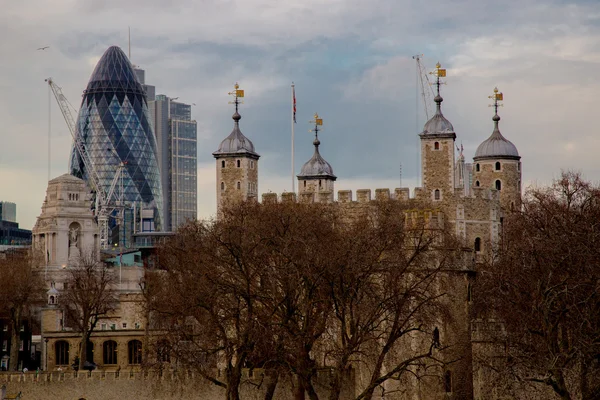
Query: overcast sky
{"points": [[351, 61]]}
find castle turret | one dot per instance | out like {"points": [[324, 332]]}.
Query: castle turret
{"points": [[497, 163], [437, 150], [237, 162], [316, 175]]}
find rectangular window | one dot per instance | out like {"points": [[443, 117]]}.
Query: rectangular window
{"points": [[124, 325], [113, 327], [5, 328], [21, 347], [103, 327], [5, 345], [137, 325]]}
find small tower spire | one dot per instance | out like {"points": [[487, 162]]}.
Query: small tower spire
{"points": [[237, 94], [318, 122], [438, 73], [497, 97]]}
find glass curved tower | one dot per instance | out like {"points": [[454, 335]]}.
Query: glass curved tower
{"points": [[115, 126]]}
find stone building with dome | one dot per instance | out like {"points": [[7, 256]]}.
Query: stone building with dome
{"points": [[471, 197]]}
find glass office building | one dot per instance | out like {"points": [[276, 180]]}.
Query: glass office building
{"points": [[176, 134], [115, 125]]}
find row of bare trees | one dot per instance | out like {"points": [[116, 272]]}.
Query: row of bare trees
{"points": [[90, 295], [291, 287], [544, 288]]}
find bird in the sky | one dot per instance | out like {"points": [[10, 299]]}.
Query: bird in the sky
{"points": [[43, 48]]}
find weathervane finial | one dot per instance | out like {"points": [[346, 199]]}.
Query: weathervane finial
{"points": [[318, 122], [439, 73], [497, 97], [237, 94]]}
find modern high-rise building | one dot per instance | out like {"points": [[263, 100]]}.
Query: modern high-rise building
{"points": [[8, 211], [176, 135], [116, 128], [149, 89], [10, 233]]}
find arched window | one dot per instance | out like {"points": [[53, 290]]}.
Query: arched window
{"points": [[477, 244], [448, 382], [222, 185], [497, 165], [134, 351], [163, 353], [477, 183], [436, 194], [436, 146], [61, 350], [239, 163], [109, 352], [52, 300], [498, 185], [239, 185], [223, 164], [477, 167]]}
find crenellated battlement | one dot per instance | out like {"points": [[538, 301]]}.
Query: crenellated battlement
{"points": [[366, 195]]}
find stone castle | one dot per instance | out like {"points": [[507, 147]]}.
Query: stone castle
{"points": [[470, 198]]}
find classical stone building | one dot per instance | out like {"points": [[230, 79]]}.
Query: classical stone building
{"points": [[66, 233]]}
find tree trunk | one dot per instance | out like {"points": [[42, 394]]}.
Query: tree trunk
{"points": [[336, 385], [272, 380], [233, 381], [15, 340], [299, 389], [83, 349]]}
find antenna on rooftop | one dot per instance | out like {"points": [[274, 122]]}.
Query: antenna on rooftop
{"points": [[129, 49]]}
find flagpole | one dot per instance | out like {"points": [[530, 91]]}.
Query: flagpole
{"points": [[293, 173]]}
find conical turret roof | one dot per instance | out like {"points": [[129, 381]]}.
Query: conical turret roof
{"points": [[496, 146], [317, 167], [236, 143]]}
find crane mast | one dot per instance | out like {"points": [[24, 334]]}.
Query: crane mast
{"points": [[424, 86], [103, 207]]}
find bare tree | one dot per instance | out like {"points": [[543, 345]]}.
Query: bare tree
{"points": [[90, 295], [384, 292], [21, 290], [279, 285], [545, 289]]}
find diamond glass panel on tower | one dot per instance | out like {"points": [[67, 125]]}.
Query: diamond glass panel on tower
{"points": [[115, 126]]}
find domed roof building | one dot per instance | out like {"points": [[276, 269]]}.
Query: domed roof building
{"points": [[115, 126], [236, 142], [316, 167], [438, 124], [496, 146], [316, 175]]}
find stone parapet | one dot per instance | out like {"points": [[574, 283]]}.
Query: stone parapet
{"points": [[363, 195]]}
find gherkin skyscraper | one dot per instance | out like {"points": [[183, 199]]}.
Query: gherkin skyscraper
{"points": [[115, 126]]}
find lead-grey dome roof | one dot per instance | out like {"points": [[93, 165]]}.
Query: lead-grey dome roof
{"points": [[317, 167], [496, 146], [438, 124], [236, 143]]}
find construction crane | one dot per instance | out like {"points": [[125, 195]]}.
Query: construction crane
{"points": [[106, 203], [424, 86]]}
